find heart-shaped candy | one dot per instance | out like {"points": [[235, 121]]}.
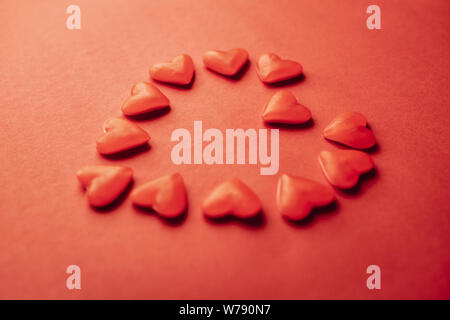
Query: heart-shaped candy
{"points": [[284, 108], [225, 62], [271, 68], [231, 197], [350, 129], [179, 71], [343, 167], [297, 196], [145, 97], [104, 183], [165, 195], [120, 135]]}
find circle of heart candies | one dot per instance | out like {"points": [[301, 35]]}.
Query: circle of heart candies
{"points": [[295, 196]]}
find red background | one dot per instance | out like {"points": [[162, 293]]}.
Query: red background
{"points": [[58, 86]]}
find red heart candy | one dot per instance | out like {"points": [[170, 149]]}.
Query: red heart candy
{"points": [[166, 195], [179, 71], [271, 68], [231, 197], [350, 129], [284, 108], [297, 196], [227, 63], [145, 97], [343, 167], [120, 135], [104, 183]]}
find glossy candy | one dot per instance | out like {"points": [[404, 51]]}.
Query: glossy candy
{"points": [[165, 195], [104, 183], [179, 71], [343, 167], [145, 97], [225, 62], [350, 129], [271, 68], [231, 197], [296, 196], [284, 108], [120, 134]]}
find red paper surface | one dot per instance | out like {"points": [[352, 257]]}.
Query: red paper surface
{"points": [[59, 85]]}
